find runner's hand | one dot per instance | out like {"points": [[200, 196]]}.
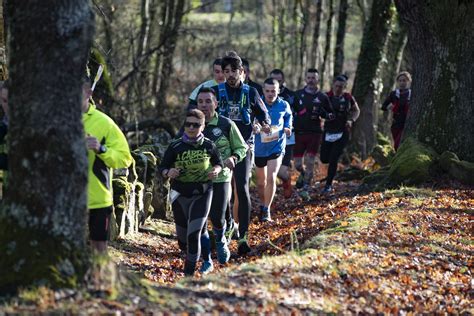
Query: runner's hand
{"points": [[266, 128], [256, 128], [173, 173], [92, 143], [390, 107], [349, 124], [230, 162], [287, 131], [214, 172]]}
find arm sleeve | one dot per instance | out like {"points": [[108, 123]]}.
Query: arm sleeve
{"points": [[168, 159], [216, 156], [288, 118], [237, 143], [326, 107], [258, 107], [355, 111], [387, 101], [117, 154]]}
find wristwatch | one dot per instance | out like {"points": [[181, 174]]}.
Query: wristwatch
{"points": [[102, 149]]}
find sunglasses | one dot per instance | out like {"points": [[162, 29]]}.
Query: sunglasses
{"points": [[191, 124]]}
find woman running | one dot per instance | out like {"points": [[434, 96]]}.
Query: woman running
{"points": [[398, 101], [191, 162]]}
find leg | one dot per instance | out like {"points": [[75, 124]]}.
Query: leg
{"points": [[180, 216], [235, 202], [198, 212], [309, 161], [335, 153], [313, 149], [220, 200], [242, 177], [270, 188], [99, 220], [261, 173]]}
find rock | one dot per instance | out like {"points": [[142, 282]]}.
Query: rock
{"points": [[458, 169], [412, 163], [378, 179], [352, 173]]}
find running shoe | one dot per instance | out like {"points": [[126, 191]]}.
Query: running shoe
{"points": [[206, 267], [327, 189], [223, 252], [243, 247], [300, 181]]}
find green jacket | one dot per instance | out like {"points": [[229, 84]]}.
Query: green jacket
{"points": [[117, 155], [229, 142]]}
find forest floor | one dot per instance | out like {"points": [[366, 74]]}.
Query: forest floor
{"points": [[407, 250]]}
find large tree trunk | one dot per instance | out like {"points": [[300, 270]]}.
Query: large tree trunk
{"points": [[43, 223], [441, 42], [340, 36], [367, 80]]}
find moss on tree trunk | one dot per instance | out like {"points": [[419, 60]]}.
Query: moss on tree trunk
{"points": [[441, 43], [366, 82]]}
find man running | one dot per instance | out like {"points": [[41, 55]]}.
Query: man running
{"points": [[270, 147], [398, 101], [241, 103], [107, 149], [219, 77], [232, 148], [308, 129], [336, 131], [290, 97], [191, 162]]}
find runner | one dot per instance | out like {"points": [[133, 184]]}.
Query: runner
{"points": [[219, 77], [241, 104], [232, 148], [107, 149], [285, 170], [270, 147], [336, 131], [399, 102], [308, 129], [191, 162]]}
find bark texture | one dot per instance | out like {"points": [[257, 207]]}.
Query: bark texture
{"points": [[367, 79], [340, 37], [43, 222], [441, 43]]}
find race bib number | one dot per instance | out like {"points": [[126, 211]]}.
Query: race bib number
{"points": [[332, 137], [270, 137], [234, 113]]}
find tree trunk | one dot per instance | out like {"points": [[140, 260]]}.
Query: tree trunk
{"points": [[340, 36], [441, 42], [43, 222], [327, 45], [317, 29], [390, 68], [3, 55], [367, 80], [170, 36]]}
